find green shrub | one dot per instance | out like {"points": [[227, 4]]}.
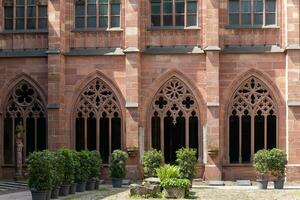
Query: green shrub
{"points": [[152, 161], [261, 162], [167, 172], [95, 163], [40, 170], [277, 163], [176, 183], [70, 164], [118, 164], [58, 163], [187, 160], [82, 172]]}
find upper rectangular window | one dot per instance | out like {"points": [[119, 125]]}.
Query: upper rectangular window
{"points": [[23, 15], [252, 12], [93, 14], [174, 13]]}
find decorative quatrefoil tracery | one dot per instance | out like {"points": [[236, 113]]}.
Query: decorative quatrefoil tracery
{"points": [[174, 99], [24, 101], [254, 97], [99, 99]]}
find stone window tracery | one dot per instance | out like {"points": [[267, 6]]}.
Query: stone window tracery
{"points": [[252, 121], [174, 119], [98, 119], [24, 105]]}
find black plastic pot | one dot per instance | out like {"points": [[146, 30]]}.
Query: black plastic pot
{"points": [[262, 184], [64, 190], [48, 195], [278, 184], [90, 185], [73, 188], [97, 183], [81, 187], [54, 192], [117, 183], [39, 195]]}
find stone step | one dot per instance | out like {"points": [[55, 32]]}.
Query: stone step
{"points": [[243, 182], [216, 183]]}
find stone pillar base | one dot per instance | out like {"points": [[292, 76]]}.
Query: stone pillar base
{"points": [[213, 172]]}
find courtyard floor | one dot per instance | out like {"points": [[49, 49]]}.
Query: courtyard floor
{"points": [[203, 192]]}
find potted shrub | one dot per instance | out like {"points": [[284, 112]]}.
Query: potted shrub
{"points": [[69, 165], [277, 163], [94, 170], [175, 187], [186, 160], [82, 171], [40, 172], [261, 161], [152, 161], [117, 167], [58, 175]]}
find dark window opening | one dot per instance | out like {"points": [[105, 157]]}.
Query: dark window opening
{"points": [[246, 139], [234, 138], [259, 130], [155, 128], [104, 138]]}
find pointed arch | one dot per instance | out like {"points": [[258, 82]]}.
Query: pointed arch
{"points": [[174, 105], [24, 103], [98, 116], [252, 115]]}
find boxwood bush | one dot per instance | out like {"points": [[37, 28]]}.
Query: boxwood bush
{"points": [[261, 162], [277, 162], [58, 168], [40, 170], [118, 164], [152, 161], [187, 160], [176, 183], [70, 164], [82, 172], [95, 163]]}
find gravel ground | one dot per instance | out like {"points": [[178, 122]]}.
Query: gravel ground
{"points": [[292, 192]]}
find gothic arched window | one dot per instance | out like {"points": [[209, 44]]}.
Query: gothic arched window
{"points": [[174, 119], [252, 121], [24, 105], [98, 119]]}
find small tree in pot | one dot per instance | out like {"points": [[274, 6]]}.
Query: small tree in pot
{"points": [[69, 166], [152, 161], [277, 163], [58, 176], [187, 160], [95, 163], [117, 167], [40, 171], [261, 165], [82, 171]]}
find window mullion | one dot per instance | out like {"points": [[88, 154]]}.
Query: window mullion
{"points": [[252, 12], [162, 140], [252, 135], [14, 14], [185, 13], [187, 132], [173, 13], [264, 12], [240, 138], [161, 13], [35, 134], [98, 132], [240, 12], [36, 16], [109, 14], [25, 14], [97, 15], [85, 14]]}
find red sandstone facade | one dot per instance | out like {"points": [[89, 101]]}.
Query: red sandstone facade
{"points": [[212, 71]]}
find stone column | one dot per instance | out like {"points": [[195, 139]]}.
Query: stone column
{"points": [[56, 76], [213, 169], [293, 85], [133, 65]]}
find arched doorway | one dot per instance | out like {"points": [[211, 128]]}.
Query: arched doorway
{"points": [[252, 120], [174, 119], [98, 119], [24, 104]]}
